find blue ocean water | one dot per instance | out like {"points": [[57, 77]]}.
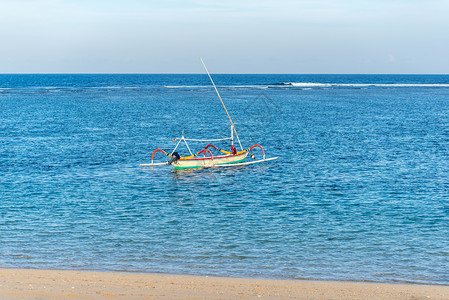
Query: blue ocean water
{"points": [[360, 190]]}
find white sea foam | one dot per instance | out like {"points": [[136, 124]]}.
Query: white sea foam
{"points": [[414, 85], [218, 86], [104, 87], [306, 84], [186, 86], [248, 86], [309, 85], [361, 85]]}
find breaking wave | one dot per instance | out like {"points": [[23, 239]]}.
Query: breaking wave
{"points": [[311, 85], [359, 85], [218, 86]]}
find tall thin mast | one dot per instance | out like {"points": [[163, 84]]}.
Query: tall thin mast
{"points": [[232, 124]]}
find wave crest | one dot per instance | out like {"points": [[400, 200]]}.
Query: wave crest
{"points": [[360, 85]]}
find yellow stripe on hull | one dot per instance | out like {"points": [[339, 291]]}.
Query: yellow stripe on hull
{"points": [[219, 160]]}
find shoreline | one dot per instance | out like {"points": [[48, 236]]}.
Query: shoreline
{"points": [[73, 284]]}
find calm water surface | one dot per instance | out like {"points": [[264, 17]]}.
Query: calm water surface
{"points": [[360, 191]]}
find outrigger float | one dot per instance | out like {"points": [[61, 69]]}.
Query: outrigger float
{"points": [[225, 158]]}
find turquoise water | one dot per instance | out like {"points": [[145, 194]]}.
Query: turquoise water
{"points": [[360, 191]]}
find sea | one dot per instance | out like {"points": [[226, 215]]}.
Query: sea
{"points": [[360, 191]]}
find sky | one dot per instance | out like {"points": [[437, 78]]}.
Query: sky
{"points": [[232, 36]]}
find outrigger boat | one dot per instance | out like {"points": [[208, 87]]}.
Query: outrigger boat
{"points": [[225, 158]]}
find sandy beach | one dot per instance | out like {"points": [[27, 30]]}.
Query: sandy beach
{"points": [[63, 284]]}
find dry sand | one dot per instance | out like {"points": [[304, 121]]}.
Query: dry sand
{"points": [[56, 284]]}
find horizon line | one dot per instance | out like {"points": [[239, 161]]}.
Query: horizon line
{"points": [[217, 73]]}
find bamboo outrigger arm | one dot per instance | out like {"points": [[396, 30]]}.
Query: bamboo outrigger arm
{"points": [[257, 145]]}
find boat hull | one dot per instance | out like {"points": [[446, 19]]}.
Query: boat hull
{"points": [[208, 161]]}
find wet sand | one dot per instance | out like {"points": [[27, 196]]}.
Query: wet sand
{"points": [[57, 284]]}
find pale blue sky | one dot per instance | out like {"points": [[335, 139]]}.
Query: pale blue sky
{"points": [[283, 36]]}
